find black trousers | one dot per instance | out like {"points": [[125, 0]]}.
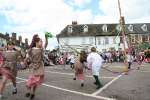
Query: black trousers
{"points": [[129, 65]]}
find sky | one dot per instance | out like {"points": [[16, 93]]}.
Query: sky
{"points": [[29, 17]]}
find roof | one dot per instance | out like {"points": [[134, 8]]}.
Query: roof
{"points": [[99, 29], [4, 36]]}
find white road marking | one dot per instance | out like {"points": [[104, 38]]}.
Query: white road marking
{"points": [[71, 91], [144, 71], [22, 79], [16, 82], [71, 74], [105, 86]]}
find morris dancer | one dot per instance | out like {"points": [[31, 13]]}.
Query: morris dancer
{"points": [[94, 61], [79, 66], [8, 69], [36, 52], [72, 60], [129, 59]]}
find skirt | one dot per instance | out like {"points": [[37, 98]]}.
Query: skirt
{"points": [[147, 60], [79, 70], [34, 80], [4, 71], [79, 74]]}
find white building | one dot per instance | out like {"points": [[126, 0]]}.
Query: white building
{"points": [[102, 36]]}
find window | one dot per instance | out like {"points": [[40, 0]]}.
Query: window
{"points": [[99, 41], [139, 38], [85, 28], [83, 40], [106, 40], [133, 38], [91, 40], [145, 38], [136, 37], [69, 29], [118, 28], [130, 28], [144, 27], [104, 28], [114, 40], [67, 41]]}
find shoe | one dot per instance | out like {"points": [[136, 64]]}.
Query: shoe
{"points": [[99, 86], [82, 84], [95, 83], [32, 96], [1, 97], [14, 91], [27, 95], [74, 78]]}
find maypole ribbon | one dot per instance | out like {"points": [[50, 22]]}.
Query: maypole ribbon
{"points": [[48, 34]]}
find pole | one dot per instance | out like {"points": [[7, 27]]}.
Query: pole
{"points": [[122, 23]]}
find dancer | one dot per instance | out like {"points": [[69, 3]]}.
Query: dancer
{"points": [[8, 69], [94, 61], [79, 66], [36, 55], [72, 60], [129, 59]]}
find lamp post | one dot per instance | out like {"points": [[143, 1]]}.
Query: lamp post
{"points": [[122, 23]]}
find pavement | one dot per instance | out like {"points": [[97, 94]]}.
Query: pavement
{"points": [[59, 84]]}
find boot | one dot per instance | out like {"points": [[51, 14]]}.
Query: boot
{"points": [[98, 83], [32, 96], [27, 95], [14, 91]]}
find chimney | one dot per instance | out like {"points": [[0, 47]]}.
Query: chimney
{"points": [[7, 34], [26, 41], [14, 36], [20, 39], [74, 22]]}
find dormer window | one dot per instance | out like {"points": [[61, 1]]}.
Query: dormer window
{"points": [[144, 27], [118, 28], [85, 28], [130, 28], [104, 28], [69, 29]]}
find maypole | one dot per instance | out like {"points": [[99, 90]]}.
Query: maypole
{"points": [[122, 24]]}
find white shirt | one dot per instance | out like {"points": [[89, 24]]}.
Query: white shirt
{"points": [[72, 59], [129, 58], [94, 59]]}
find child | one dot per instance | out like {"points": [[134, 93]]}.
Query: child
{"points": [[8, 68], [78, 66], [36, 54]]}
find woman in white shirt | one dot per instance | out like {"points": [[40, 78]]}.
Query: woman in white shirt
{"points": [[94, 61]]}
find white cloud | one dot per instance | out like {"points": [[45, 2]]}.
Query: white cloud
{"points": [[133, 10], [28, 17], [84, 17], [78, 3], [105, 19]]}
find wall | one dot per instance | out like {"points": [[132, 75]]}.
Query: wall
{"points": [[80, 43]]}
